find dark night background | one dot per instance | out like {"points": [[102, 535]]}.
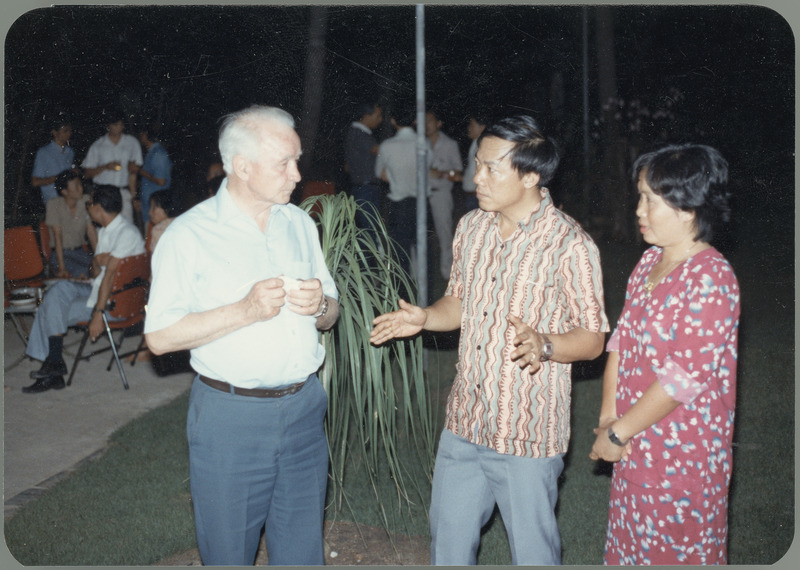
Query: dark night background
{"points": [[732, 68]]}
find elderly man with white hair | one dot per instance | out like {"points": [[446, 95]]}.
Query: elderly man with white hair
{"points": [[241, 282]]}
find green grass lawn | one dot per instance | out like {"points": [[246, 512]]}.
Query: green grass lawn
{"points": [[132, 505]]}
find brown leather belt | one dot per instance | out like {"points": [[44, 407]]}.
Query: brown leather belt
{"points": [[252, 392]]}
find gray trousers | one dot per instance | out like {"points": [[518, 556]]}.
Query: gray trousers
{"points": [[63, 306]]}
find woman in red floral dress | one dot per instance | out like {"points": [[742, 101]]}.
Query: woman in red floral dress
{"points": [[669, 388]]}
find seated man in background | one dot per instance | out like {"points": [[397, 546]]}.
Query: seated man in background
{"points": [[69, 302], [70, 227]]}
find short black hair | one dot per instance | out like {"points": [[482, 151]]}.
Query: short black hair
{"points": [[403, 114], [153, 130], [59, 120], [63, 180], [114, 115], [689, 177], [167, 201], [363, 108], [532, 152], [107, 197], [481, 116]]}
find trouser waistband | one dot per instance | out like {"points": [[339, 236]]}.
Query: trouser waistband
{"points": [[252, 392]]}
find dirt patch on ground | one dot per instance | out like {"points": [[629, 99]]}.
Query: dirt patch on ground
{"points": [[346, 544]]}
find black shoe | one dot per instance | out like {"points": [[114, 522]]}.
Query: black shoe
{"points": [[50, 369], [44, 384]]}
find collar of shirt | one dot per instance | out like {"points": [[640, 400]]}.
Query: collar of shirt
{"points": [[58, 148], [406, 132], [103, 247], [361, 126], [227, 209], [529, 223]]}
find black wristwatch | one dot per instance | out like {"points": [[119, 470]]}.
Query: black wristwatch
{"points": [[547, 350], [614, 438]]}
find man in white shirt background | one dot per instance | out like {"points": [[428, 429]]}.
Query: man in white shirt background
{"points": [[108, 159], [445, 168]]}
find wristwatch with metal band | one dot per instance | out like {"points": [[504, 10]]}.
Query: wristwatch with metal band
{"points": [[547, 350]]}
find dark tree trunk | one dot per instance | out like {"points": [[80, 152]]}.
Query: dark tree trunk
{"points": [[313, 87]]}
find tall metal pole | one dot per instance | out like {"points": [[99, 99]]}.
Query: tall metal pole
{"points": [[422, 162], [586, 159]]}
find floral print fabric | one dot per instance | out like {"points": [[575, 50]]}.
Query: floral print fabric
{"points": [[669, 497]]}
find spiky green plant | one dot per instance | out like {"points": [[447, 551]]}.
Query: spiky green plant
{"points": [[377, 396]]}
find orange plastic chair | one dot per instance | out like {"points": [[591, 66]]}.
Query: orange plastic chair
{"points": [[23, 260], [125, 311], [317, 188]]}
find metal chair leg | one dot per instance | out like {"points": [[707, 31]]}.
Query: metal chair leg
{"points": [[119, 346], [78, 356], [138, 349], [114, 350]]}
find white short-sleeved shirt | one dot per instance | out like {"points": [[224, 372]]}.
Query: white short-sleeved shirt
{"points": [[445, 156], [398, 157], [212, 256], [121, 239], [103, 151]]}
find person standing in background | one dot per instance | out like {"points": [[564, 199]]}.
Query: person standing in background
{"points": [[108, 161], [445, 167], [397, 164], [53, 159], [477, 123], [360, 151], [156, 172]]}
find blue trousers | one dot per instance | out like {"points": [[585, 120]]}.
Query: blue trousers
{"points": [[258, 463], [369, 197], [76, 261], [63, 305], [469, 479], [402, 228]]}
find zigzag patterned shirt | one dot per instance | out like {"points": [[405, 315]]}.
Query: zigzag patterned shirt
{"points": [[548, 274]]}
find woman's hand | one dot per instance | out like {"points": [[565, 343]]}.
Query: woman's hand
{"points": [[603, 448]]}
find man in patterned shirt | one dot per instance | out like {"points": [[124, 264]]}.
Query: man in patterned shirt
{"points": [[526, 292]]}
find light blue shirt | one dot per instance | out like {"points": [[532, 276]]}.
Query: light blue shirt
{"points": [[157, 163], [51, 160], [212, 256]]}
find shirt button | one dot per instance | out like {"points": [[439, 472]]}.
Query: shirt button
{"points": [[485, 313], [479, 347]]}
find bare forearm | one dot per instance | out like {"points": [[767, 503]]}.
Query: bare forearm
{"points": [[91, 233], [654, 405], [92, 172], [444, 315], [151, 178], [198, 329], [577, 344], [59, 247], [37, 181], [608, 406]]}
